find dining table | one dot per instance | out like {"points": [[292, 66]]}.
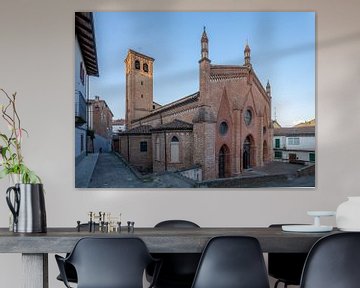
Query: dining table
{"points": [[35, 247]]}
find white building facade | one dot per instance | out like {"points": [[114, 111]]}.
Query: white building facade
{"points": [[85, 66], [81, 92], [118, 125], [295, 144]]}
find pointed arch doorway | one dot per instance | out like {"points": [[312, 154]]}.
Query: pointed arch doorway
{"points": [[224, 159], [247, 152]]}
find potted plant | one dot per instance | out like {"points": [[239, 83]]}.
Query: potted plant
{"points": [[11, 159], [26, 198]]}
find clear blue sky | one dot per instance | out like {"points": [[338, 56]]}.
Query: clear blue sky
{"points": [[282, 50]]}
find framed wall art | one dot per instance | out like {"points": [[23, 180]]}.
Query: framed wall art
{"points": [[194, 99]]}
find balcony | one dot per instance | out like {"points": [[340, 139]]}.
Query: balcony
{"points": [[80, 109]]}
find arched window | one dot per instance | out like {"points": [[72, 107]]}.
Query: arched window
{"points": [[137, 64], [223, 128], [248, 117], [174, 150], [146, 67]]}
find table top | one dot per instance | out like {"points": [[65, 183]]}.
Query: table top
{"points": [[158, 240]]}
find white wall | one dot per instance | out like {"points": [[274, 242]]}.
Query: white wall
{"points": [[305, 143], [80, 151], [79, 86], [37, 61]]}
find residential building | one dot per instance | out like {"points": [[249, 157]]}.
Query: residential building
{"points": [[100, 125], [118, 125], [85, 66], [295, 144]]}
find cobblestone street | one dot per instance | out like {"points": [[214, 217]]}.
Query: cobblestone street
{"points": [[111, 172], [107, 170]]}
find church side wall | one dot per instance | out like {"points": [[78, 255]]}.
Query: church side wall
{"points": [[123, 147], [141, 160], [164, 141], [158, 152], [185, 150]]}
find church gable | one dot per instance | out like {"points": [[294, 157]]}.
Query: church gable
{"points": [[224, 112], [249, 101]]}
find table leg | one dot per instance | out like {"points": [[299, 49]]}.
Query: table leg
{"points": [[35, 270]]}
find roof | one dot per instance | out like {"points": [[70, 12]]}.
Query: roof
{"points": [[276, 124], [306, 123], [295, 131], [174, 125], [180, 102], [118, 122], [84, 29], [98, 100], [139, 130], [141, 55]]}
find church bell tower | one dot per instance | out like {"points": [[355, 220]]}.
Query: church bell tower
{"points": [[139, 86]]}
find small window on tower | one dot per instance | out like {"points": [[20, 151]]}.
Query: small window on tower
{"points": [[142, 96], [137, 64], [142, 83], [146, 67]]}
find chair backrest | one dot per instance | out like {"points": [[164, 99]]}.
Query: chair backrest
{"points": [[176, 224], [232, 262], [178, 269], [333, 262], [110, 262]]}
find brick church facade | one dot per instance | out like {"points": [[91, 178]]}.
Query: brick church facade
{"points": [[222, 129]]}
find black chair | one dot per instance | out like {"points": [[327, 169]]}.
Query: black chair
{"points": [[69, 269], [286, 267], [232, 262], [333, 262], [178, 269], [108, 263]]}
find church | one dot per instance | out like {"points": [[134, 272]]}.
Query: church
{"points": [[217, 132]]}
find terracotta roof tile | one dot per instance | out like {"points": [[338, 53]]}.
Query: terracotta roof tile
{"points": [[174, 125], [295, 131], [143, 129]]}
